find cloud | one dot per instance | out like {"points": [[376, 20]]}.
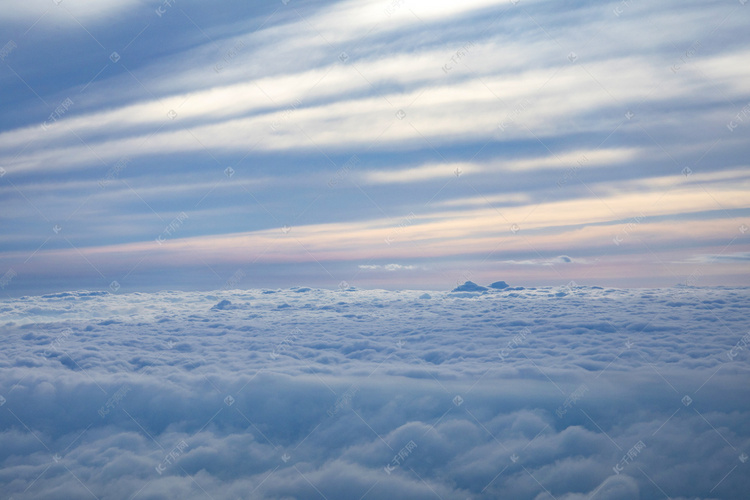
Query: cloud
{"points": [[70, 12], [577, 159], [597, 393], [721, 258], [386, 267], [344, 118], [418, 174], [562, 259]]}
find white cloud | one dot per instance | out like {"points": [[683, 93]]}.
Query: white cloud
{"points": [[444, 171], [512, 394], [727, 257], [228, 118], [561, 259], [70, 12], [578, 159], [386, 267]]}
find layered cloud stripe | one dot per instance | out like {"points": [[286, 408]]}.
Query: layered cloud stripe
{"points": [[146, 143]]}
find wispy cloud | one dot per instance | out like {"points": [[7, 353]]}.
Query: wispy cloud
{"points": [[68, 14], [417, 174], [386, 267], [398, 130]]}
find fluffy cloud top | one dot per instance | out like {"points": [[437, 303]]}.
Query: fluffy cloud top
{"points": [[565, 393]]}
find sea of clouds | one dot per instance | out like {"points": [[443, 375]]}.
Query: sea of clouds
{"points": [[563, 393]]}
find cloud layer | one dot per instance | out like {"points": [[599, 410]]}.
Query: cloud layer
{"points": [[566, 393]]}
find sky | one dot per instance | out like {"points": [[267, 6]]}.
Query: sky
{"points": [[191, 145]]}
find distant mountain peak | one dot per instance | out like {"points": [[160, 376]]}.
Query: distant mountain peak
{"points": [[470, 286]]}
